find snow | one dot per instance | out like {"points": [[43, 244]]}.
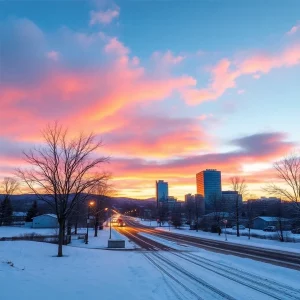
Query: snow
{"points": [[92, 273], [243, 240], [49, 215], [232, 238], [265, 270], [81, 274], [12, 231], [100, 242]]}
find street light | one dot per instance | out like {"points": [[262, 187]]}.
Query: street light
{"points": [[90, 204], [97, 220], [225, 222], [110, 226]]}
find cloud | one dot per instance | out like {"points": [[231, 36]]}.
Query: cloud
{"points": [[249, 149], [293, 30], [116, 47], [104, 17], [167, 58], [155, 136], [53, 55], [225, 73], [22, 52], [264, 144]]}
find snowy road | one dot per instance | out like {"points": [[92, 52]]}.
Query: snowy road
{"points": [[282, 258], [177, 259]]}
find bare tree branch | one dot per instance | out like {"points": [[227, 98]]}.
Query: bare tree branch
{"points": [[288, 172], [64, 171]]}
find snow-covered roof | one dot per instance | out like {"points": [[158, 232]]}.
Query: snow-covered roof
{"points": [[222, 214], [49, 215], [271, 219], [19, 214]]}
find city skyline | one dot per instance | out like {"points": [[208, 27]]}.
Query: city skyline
{"points": [[219, 89]]}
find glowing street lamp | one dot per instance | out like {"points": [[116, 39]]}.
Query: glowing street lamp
{"points": [[90, 204]]}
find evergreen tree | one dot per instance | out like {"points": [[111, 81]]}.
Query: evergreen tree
{"points": [[32, 212], [6, 211], [1, 215]]}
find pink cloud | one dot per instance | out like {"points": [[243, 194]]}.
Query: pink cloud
{"points": [[293, 30], [53, 55], [116, 47], [225, 73], [104, 17], [167, 58]]}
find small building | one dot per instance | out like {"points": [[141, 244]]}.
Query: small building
{"points": [[262, 222], [45, 221], [19, 217]]}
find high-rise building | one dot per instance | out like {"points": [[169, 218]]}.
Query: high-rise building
{"points": [[209, 185], [162, 191], [229, 199]]}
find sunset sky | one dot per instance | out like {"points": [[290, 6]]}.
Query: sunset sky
{"points": [[171, 87]]}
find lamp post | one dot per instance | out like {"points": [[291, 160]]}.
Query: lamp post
{"points": [[225, 222], [110, 226], [91, 203]]}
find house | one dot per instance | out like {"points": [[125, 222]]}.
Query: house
{"points": [[45, 221], [263, 222], [19, 217]]}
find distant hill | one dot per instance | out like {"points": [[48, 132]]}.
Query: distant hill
{"points": [[24, 201]]}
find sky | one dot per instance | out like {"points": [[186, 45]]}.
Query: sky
{"points": [[172, 87]]}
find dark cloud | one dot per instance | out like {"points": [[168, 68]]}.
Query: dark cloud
{"points": [[262, 143]]}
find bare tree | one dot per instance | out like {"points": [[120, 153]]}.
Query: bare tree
{"points": [[250, 213], [63, 172], [239, 186], [102, 191], [288, 171], [8, 187], [217, 204]]}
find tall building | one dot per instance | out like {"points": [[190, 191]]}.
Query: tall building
{"points": [[209, 185], [162, 191], [229, 200]]}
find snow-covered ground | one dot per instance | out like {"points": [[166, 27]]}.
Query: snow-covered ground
{"points": [[30, 270], [265, 270], [231, 238], [12, 231], [100, 242], [82, 274]]}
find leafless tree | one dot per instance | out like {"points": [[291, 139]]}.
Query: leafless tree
{"points": [[250, 213], [217, 205], [8, 187], [102, 191], [288, 171], [63, 172], [238, 185]]}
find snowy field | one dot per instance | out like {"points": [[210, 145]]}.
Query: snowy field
{"points": [[82, 274], [12, 231], [100, 242], [256, 242], [30, 270]]}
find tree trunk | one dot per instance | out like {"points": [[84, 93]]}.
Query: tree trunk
{"points": [[237, 218], [96, 225], [76, 225], [60, 239]]}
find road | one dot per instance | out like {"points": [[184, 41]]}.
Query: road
{"points": [[281, 258], [190, 276]]}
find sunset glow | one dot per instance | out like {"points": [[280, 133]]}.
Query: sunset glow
{"points": [[167, 100]]}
